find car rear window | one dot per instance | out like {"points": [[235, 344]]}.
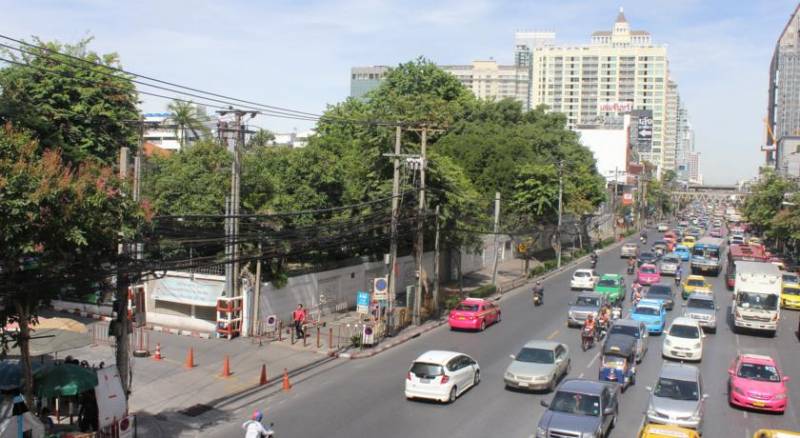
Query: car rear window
{"points": [[647, 270], [607, 283], [625, 330], [464, 307], [582, 274], [684, 331], [700, 304], [426, 370], [587, 301], [646, 310], [695, 283]]}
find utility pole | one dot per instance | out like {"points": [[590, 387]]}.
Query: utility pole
{"points": [[420, 229], [392, 280], [436, 267], [121, 299], [614, 205], [560, 209], [496, 230]]}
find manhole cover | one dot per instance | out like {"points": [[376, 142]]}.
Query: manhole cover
{"points": [[196, 410]]}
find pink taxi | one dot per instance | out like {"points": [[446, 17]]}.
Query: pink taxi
{"points": [[474, 314], [648, 274], [755, 382]]}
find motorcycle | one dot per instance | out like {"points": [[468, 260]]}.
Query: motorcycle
{"points": [[594, 262], [588, 338], [677, 280], [270, 432], [643, 239], [631, 269], [616, 313], [538, 297]]}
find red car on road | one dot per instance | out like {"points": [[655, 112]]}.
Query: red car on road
{"points": [[648, 274], [474, 314], [756, 383]]}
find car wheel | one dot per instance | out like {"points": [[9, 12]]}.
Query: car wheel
{"points": [[453, 394], [483, 325], [477, 378]]}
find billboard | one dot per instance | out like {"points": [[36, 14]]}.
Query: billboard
{"points": [[615, 107], [644, 129]]}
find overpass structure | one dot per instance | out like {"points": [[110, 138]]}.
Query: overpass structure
{"points": [[707, 194]]}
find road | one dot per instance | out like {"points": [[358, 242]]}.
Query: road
{"points": [[364, 398]]}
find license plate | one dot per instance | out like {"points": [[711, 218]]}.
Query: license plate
{"points": [[759, 404], [461, 318], [676, 353], [523, 384], [424, 380]]}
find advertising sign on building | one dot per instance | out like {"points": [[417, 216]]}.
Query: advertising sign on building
{"points": [[362, 302], [644, 130], [627, 198], [615, 107]]}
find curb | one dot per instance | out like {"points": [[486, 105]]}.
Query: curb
{"points": [[82, 314], [181, 332], [393, 343]]}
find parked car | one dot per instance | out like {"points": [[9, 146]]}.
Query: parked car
{"points": [[584, 279], [695, 284], [683, 252], [662, 292], [636, 330], [441, 375], [580, 408], [755, 382], [678, 397], [474, 314], [629, 250], [538, 365], [652, 314], [612, 286], [683, 340], [648, 274], [669, 264], [703, 308], [586, 303]]}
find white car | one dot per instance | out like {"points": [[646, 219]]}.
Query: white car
{"points": [[683, 340], [662, 227], [584, 279], [441, 375]]}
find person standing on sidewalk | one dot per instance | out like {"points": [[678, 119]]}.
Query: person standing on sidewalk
{"points": [[299, 318]]}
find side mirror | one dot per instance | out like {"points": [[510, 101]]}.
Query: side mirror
{"points": [[786, 378], [608, 411], [705, 396], [544, 404], [512, 356]]}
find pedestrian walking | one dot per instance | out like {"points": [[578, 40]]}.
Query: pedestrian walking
{"points": [[299, 318]]}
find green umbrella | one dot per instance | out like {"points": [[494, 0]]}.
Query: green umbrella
{"points": [[64, 380]]}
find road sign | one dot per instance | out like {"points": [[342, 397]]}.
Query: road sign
{"points": [[521, 248], [362, 302], [380, 289]]}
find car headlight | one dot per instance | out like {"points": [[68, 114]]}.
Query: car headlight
{"points": [[509, 375], [780, 396], [540, 432], [698, 345]]}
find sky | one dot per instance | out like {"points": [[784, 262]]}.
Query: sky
{"points": [[298, 53]]}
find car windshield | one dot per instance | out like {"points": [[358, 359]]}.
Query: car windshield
{"points": [[757, 301], [657, 290], [610, 361], [588, 302], [684, 331], [647, 270], [791, 291], [696, 283], [536, 355], [465, 307], [760, 372], [789, 278], [426, 370], [582, 274], [607, 283], [647, 255], [677, 389], [646, 310], [628, 330], [700, 304], [576, 404]]}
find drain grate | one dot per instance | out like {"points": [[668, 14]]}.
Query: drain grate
{"points": [[195, 410]]}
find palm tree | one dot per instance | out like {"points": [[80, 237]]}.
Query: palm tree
{"points": [[187, 116]]}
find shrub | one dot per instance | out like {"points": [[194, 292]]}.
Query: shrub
{"points": [[537, 271], [355, 341], [483, 291], [451, 302]]}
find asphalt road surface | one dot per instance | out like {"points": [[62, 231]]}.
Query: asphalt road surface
{"points": [[364, 398]]}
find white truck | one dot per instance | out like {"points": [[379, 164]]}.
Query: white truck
{"points": [[756, 296]]}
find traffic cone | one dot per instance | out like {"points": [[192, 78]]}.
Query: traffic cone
{"points": [[157, 356], [263, 379], [189, 359], [226, 367], [286, 385]]}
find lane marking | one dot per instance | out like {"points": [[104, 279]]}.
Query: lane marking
{"points": [[580, 376], [591, 362], [744, 414], [552, 335]]}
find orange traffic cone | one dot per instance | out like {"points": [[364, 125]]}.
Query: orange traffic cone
{"points": [[263, 379], [226, 367], [189, 359], [286, 385], [157, 356]]}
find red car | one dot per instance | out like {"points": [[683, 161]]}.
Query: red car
{"points": [[474, 314], [755, 382]]}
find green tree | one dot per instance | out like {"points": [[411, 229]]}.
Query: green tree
{"points": [[60, 230], [262, 138], [68, 105], [765, 201], [187, 117]]}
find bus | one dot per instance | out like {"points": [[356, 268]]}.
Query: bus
{"points": [[707, 256], [739, 253]]}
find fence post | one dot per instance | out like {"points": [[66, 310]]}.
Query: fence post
{"points": [[305, 335], [318, 344], [330, 338]]}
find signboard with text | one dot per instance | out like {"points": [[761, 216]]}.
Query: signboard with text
{"points": [[615, 107], [362, 302], [380, 289], [644, 130]]}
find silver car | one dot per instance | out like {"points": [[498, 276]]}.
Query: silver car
{"points": [[703, 308], [538, 365], [678, 397], [587, 303], [669, 265], [635, 329], [629, 250]]}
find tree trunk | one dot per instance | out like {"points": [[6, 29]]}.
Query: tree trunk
{"points": [[25, 352], [460, 274]]}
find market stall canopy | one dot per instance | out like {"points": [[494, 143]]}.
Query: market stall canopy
{"points": [[11, 373], [64, 380]]}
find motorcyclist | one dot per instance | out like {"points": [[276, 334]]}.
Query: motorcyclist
{"points": [[631, 265], [594, 257], [603, 317], [637, 296], [637, 287], [538, 290], [589, 325], [253, 427]]}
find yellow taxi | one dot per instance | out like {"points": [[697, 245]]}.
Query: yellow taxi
{"points": [[695, 283], [664, 431], [790, 296], [774, 433], [689, 241]]}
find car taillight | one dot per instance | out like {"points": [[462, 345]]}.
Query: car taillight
{"points": [[408, 376], [445, 379]]}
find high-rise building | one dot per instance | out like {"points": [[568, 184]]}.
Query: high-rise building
{"points": [[671, 127], [619, 71], [685, 143], [525, 43], [694, 168], [365, 79], [783, 111]]}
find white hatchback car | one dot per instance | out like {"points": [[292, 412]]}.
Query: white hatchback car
{"points": [[584, 279], [441, 375], [683, 340]]}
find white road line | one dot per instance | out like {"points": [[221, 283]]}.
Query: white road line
{"points": [[591, 362], [580, 376], [744, 414]]}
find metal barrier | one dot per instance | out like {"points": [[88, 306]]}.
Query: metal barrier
{"points": [[98, 333]]}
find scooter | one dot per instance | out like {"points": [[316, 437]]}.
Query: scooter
{"points": [[588, 338], [677, 280], [538, 298], [270, 432]]}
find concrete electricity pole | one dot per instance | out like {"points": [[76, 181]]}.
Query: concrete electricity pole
{"points": [[420, 229], [436, 267], [392, 280], [560, 209], [496, 230]]}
